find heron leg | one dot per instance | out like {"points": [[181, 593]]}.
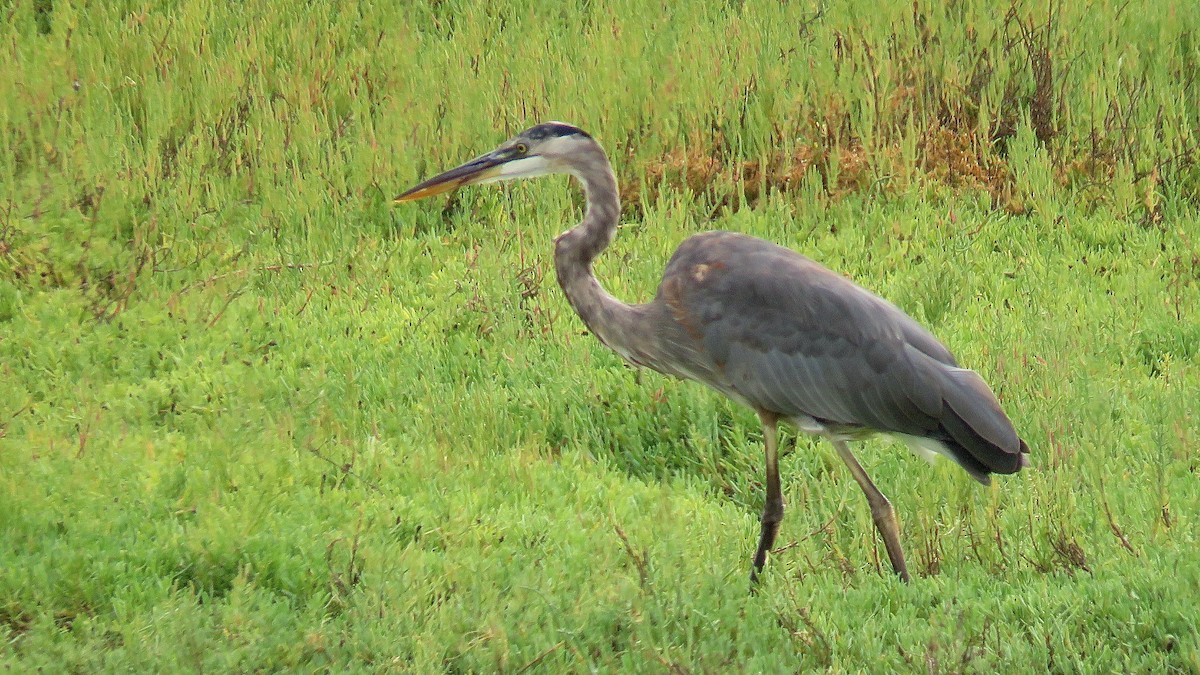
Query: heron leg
{"points": [[881, 510], [773, 509]]}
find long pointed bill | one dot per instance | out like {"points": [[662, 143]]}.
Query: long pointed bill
{"points": [[475, 171]]}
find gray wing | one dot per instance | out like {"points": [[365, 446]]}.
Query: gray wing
{"points": [[783, 333], [767, 326]]}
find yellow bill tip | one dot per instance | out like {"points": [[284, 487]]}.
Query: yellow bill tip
{"points": [[468, 174], [423, 191]]}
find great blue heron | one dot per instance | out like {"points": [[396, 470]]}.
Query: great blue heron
{"points": [[769, 328]]}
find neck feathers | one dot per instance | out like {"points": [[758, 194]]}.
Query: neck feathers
{"points": [[612, 321], [583, 243]]}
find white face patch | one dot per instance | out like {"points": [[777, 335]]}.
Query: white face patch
{"points": [[526, 167]]}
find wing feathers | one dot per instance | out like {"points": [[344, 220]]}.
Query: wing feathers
{"points": [[785, 334], [971, 400], [977, 423]]}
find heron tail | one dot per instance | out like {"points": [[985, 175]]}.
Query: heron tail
{"points": [[977, 433]]}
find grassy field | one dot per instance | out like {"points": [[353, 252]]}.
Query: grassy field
{"points": [[254, 417]]}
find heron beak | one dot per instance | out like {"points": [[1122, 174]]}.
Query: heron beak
{"points": [[475, 171]]}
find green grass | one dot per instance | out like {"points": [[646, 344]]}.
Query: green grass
{"points": [[254, 417]]}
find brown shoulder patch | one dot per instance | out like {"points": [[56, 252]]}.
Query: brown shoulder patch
{"points": [[702, 271], [673, 294]]}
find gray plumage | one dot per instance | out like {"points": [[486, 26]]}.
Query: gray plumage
{"points": [[776, 330], [769, 328]]}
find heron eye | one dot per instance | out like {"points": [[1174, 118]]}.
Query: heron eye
{"points": [[521, 148]]}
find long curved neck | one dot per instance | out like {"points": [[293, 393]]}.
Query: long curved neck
{"points": [[615, 323]]}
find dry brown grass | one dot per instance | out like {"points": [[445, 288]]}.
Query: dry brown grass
{"points": [[956, 158]]}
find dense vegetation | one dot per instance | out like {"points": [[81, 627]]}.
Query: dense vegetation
{"points": [[254, 417]]}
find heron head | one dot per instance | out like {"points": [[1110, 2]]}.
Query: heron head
{"points": [[537, 151]]}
